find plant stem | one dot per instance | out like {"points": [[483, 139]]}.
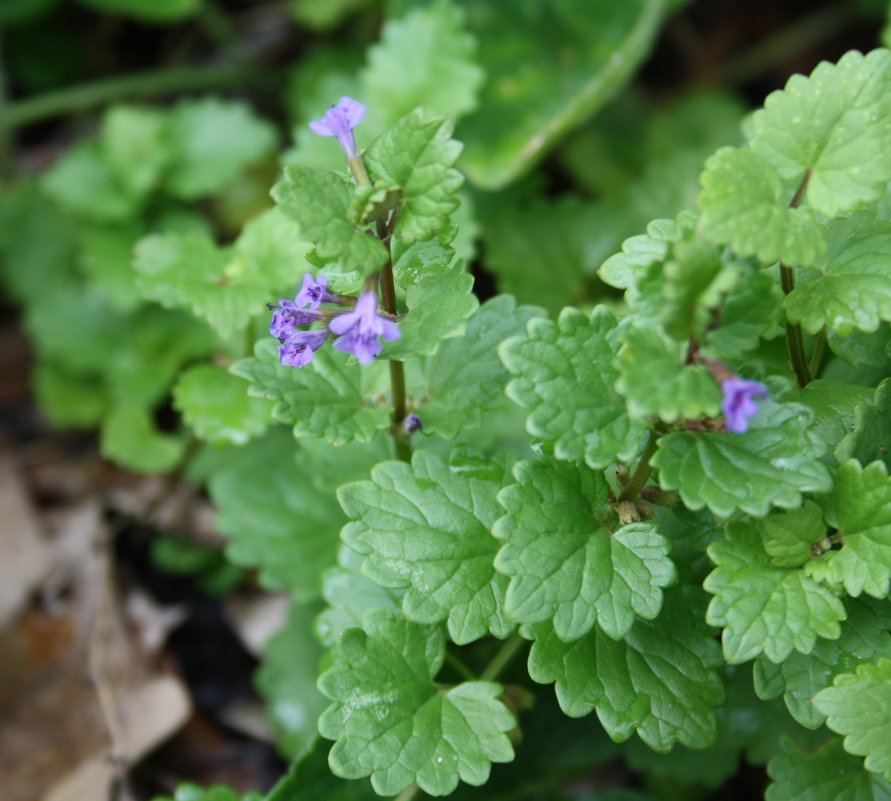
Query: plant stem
{"points": [[817, 357], [502, 659], [397, 370], [141, 84], [459, 666], [642, 471], [794, 337]]}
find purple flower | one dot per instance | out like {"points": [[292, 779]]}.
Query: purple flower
{"points": [[412, 423], [299, 348], [287, 315], [313, 292], [359, 329], [339, 121], [739, 402]]}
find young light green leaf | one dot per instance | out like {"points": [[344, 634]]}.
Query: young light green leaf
{"points": [[82, 183], [135, 147], [772, 464], [287, 681], [438, 309], [564, 377], [655, 380], [831, 129], [393, 723], [864, 636], [324, 399], [425, 527], [851, 288], [426, 58], [349, 595], [216, 405], [858, 706], [859, 507], [417, 155], [530, 99], [276, 520], [223, 286], [623, 269], [745, 204], [319, 202], [212, 142], [827, 773], [869, 438], [466, 378], [660, 680], [763, 608], [130, 437], [567, 561]]}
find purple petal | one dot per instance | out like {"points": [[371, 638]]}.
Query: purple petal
{"points": [[344, 322], [389, 330], [739, 404], [353, 109]]}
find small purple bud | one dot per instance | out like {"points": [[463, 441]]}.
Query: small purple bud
{"points": [[313, 292], [339, 121], [286, 315], [300, 346], [739, 402], [359, 330], [412, 423]]}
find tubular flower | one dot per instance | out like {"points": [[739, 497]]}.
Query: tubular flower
{"points": [[299, 348], [359, 330], [286, 315], [313, 292], [339, 121], [739, 403]]}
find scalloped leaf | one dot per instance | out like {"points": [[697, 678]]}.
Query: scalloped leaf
{"points": [[425, 527], [772, 464], [763, 608], [392, 721], [567, 562], [564, 378]]}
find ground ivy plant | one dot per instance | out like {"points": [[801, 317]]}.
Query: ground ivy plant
{"points": [[700, 505]]}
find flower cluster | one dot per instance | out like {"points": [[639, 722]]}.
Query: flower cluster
{"points": [[357, 332]]}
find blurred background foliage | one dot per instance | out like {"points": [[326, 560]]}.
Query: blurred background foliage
{"points": [[582, 121]]}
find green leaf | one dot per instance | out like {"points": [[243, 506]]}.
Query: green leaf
{"points": [[323, 15], [789, 538], [831, 125], [152, 11], [417, 155], [213, 142], [135, 147], [420, 261], [763, 608], [192, 792], [425, 527], [859, 508], [310, 778], [851, 288], [659, 680], [349, 595], [568, 561], [466, 378], [426, 58], [745, 204], [772, 464], [226, 287], [864, 636], [531, 99], [655, 380], [827, 773], [106, 257], [82, 183], [869, 438], [858, 706], [859, 347], [68, 400], [623, 269], [274, 517], [392, 722], [319, 202], [216, 405], [565, 378], [833, 404], [324, 399], [438, 309], [131, 439], [287, 681]]}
